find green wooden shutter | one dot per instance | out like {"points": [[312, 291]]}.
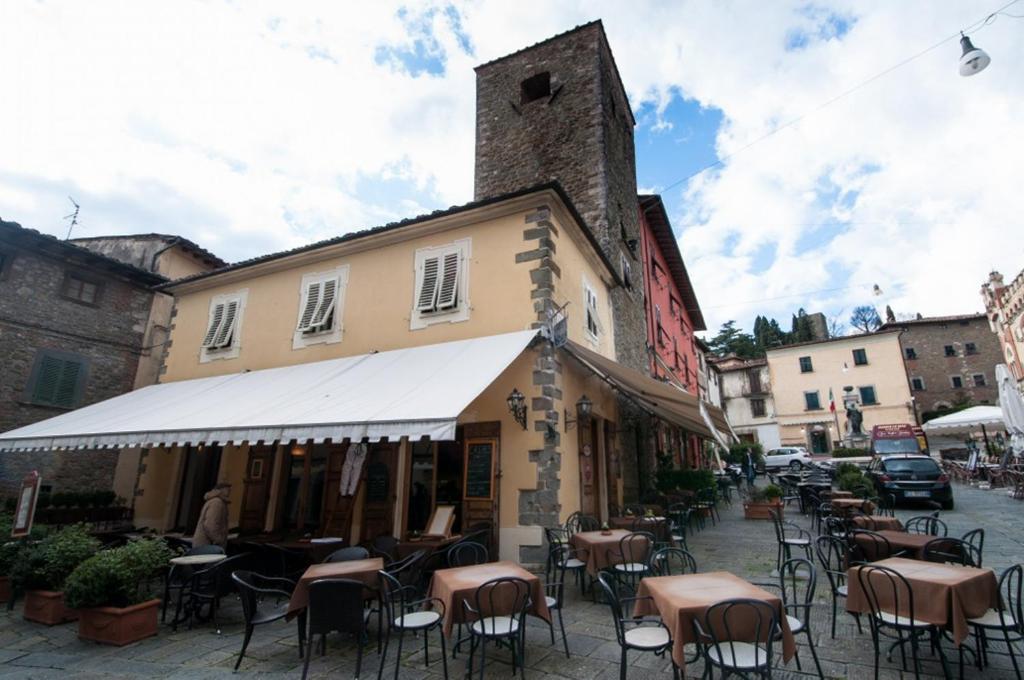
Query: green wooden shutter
{"points": [[47, 380], [67, 388]]}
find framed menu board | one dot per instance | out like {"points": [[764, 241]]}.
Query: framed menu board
{"points": [[478, 474], [25, 510]]}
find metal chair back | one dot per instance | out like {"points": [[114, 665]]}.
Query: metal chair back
{"points": [[952, 551], [349, 554], [868, 546], [976, 537], [833, 554], [1011, 613], [927, 525], [506, 596], [673, 561], [726, 623], [554, 572], [887, 592], [634, 548], [467, 554], [385, 546], [798, 580], [610, 591]]}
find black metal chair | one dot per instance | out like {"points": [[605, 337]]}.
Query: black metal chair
{"points": [[287, 563], [350, 554], [554, 587], [724, 646], [578, 522], [833, 553], [672, 561], [467, 554], [560, 537], [406, 612], [642, 634], [885, 506], [178, 577], [976, 537], [487, 624], [679, 516], [927, 525], [254, 591], [385, 546], [336, 604], [952, 551], [407, 569], [788, 536], [869, 546], [891, 603], [1008, 619], [797, 583], [630, 562], [207, 587]]}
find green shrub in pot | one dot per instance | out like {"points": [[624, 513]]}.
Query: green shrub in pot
{"points": [[46, 564], [117, 578], [765, 494]]}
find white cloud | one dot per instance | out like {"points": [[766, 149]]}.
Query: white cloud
{"points": [[250, 129]]}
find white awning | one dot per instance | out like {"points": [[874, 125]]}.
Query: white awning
{"points": [[967, 421], [415, 392]]}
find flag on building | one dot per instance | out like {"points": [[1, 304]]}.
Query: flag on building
{"points": [[831, 401]]}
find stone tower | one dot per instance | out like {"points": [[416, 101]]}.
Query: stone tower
{"points": [[557, 111]]}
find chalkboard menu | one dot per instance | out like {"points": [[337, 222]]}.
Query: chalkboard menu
{"points": [[377, 483], [479, 474]]}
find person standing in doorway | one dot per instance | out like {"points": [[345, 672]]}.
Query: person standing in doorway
{"points": [[750, 467], [212, 528]]}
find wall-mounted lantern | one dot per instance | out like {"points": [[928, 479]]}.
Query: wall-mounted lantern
{"points": [[583, 409], [517, 406]]}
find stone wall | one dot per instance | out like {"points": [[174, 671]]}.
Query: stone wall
{"points": [[928, 339], [34, 315], [581, 135]]}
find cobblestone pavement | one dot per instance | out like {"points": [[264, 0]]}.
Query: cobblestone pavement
{"points": [[744, 547]]}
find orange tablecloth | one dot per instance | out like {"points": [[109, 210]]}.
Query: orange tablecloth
{"points": [[877, 523], [944, 594], [592, 547], [840, 506], [678, 600], [357, 570], [841, 494], [627, 522], [458, 584], [912, 544]]}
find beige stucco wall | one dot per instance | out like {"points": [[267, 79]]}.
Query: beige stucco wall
{"points": [[160, 474], [175, 263], [884, 371], [379, 300]]}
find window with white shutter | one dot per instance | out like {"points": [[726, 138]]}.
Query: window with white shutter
{"points": [[442, 284], [57, 379], [593, 326], [223, 329], [322, 296]]}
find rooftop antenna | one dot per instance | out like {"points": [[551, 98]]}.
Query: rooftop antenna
{"points": [[73, 217]]}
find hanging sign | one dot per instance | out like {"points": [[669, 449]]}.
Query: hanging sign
{"points": [[25, 510]]}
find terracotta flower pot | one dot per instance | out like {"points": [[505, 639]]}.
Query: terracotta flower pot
{"points": [[119, 625], [5, 589], [47, 607], [762, 510]]}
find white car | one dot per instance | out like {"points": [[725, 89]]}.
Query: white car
{"points": [[792, 457]]}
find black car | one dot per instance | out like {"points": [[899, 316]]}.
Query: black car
{"points": [[911, 478]]}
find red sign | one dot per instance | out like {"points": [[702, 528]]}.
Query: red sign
{"points": [[25, 510], [893, 431]]}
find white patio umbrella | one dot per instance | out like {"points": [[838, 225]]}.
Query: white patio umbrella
{"points": [[967, 421], [1012, 403]]}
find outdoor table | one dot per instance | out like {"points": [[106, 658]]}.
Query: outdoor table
{"points": [[197, 560], [357, 570], [841, 494], [430, 544], [592, 547], [841, 506], [877, 523], [944, 594], [912, 544], [679, 600], [459, 584], [627, 522]]}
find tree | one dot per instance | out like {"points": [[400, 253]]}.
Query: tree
{"points": [[865, 318], [731, 340], [836, 328], [801, 327]]}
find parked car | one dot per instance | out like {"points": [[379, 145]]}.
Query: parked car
{"points": [[792, 457], [911, 478]]}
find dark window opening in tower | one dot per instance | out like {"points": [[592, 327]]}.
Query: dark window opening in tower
{"points": [[535, 87]]}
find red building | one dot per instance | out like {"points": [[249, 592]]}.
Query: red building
{"points": [[673, 313]]}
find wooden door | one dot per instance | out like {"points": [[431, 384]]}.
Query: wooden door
{"points": [[379, 472], [337, 517], [590, 487], [256, 491], [611, 471], [479, 506]]}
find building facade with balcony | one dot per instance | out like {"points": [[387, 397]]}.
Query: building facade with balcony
{"points": [[1004, 308], [747, 399]]}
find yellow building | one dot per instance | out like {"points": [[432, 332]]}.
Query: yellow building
{"points": [[350, 387], [867, 369]]}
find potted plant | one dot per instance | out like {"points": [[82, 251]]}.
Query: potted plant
{"points": [[605, 530], [761, 500], [113, 592], [8, 557], [42, 568]]}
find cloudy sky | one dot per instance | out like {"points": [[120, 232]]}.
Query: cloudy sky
{"points": [[250, 130]]}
